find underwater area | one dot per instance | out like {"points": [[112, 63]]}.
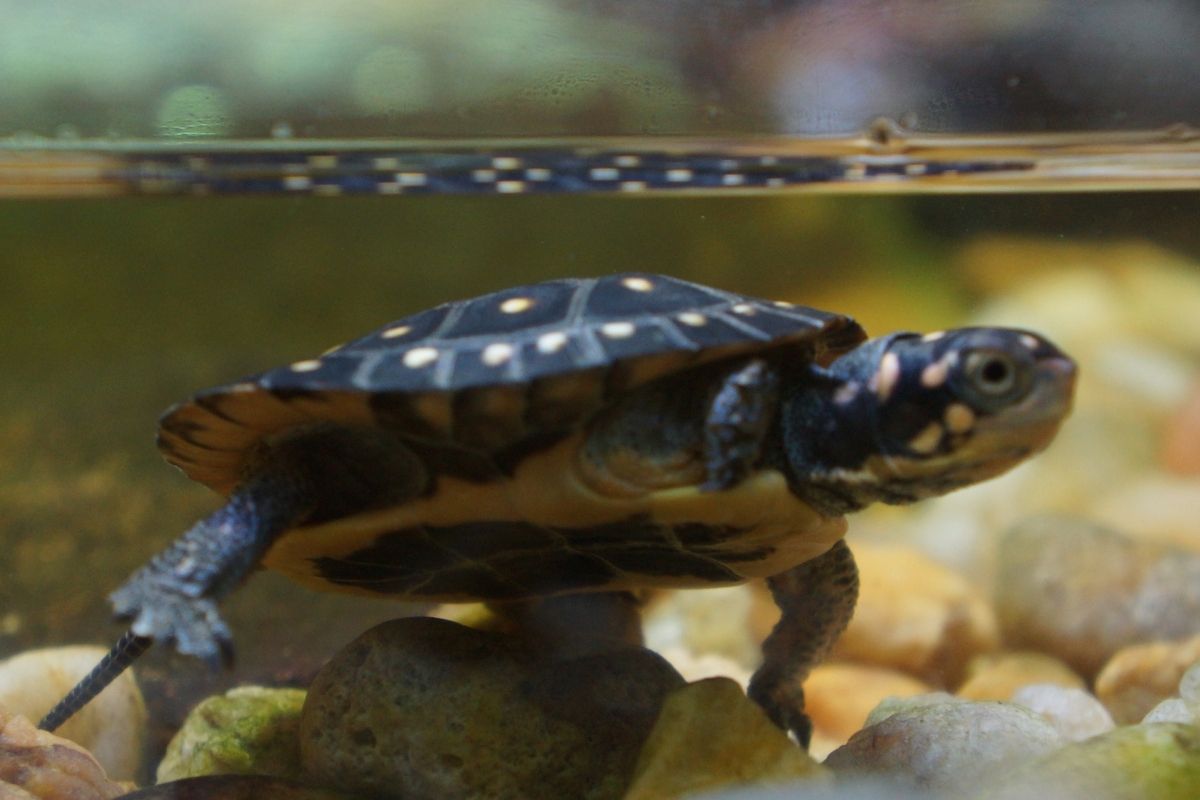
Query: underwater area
{"points": [[193, 195]]}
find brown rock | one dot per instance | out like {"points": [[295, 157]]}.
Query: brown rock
{"points": [[710, 735], [997, 676], [839, 696], [427, 708], [48, 767], [1141, 676], [1082, 592], [916, 616]]}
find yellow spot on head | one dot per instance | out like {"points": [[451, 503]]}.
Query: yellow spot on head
{"points": [[515, 305], [888, 375], [306, 366], [927, 440], [399, 330], [693, 318], [496, 354], [637, 284], [617, 330], [420, 357], [959, 418], [934, 375], [551, 342]]}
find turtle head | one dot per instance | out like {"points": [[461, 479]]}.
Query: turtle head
{"points": [[907, 416]]}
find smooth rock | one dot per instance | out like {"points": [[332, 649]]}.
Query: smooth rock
{"points": [[423, 707], [997, 676], [250, 730], [1139, 677], [36, 764], [839, 696], [237, 787], [1081, 592], [1074, 713], [946, 746], [112, 727], [1159, 761], [913, 615], [710, 735], [1173, 709]]}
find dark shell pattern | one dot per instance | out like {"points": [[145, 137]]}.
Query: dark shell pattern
{"points": [[625, 329]]}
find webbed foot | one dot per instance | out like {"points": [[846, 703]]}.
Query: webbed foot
{"points": [[166, 612]]}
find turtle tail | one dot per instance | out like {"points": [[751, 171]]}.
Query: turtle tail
{"points": [[123, 653]]}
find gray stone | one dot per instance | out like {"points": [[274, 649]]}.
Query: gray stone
{"points": [[427, 708]]}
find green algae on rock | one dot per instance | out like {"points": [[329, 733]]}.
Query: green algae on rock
{"points": [[1159, 761], [423, 707], [250, 730]]}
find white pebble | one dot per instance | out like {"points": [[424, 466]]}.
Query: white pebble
{"points": [[112, 726], [1074, 713]]}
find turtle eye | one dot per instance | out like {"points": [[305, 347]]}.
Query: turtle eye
{"points": [[994, 379]]}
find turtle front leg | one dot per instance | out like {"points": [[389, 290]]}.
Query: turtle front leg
{"points": [[817, 600], [737, 422], [174, 597]]}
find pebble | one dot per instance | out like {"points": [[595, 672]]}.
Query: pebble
{"points": [[1181, 438], [916, 616], [1159, 761], [1074, 713], [713, 621], [478, 714], [997, 676], [250, 730], [945, 744], [710, 735], [112, 727], [1081, 592], [1139, 677], [41, 766], [838, 697]]}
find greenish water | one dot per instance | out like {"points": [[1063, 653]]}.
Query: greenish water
{"points": [[110, 310]]}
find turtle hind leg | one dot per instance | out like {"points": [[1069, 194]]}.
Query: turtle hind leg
{"points": [[817, 600]]}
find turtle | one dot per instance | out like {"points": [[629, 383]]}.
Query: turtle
{"points": [[593, 436]]}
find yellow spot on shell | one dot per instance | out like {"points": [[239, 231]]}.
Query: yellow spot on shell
{"points": [[679, 175], [396, 332], [617, 330], [306, 366], [1030, 341], [927, 440], [637, 284], [959, 418], [496, 354], [693, 318], [745, 309], [933, 337], [515, 305], [506, 162], [420, 357], [888, 375], [551, 342]]}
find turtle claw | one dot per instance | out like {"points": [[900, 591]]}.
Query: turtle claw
{"points": [[167, 613]]}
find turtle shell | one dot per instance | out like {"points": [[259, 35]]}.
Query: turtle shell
{"points": [[496, 372]]}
